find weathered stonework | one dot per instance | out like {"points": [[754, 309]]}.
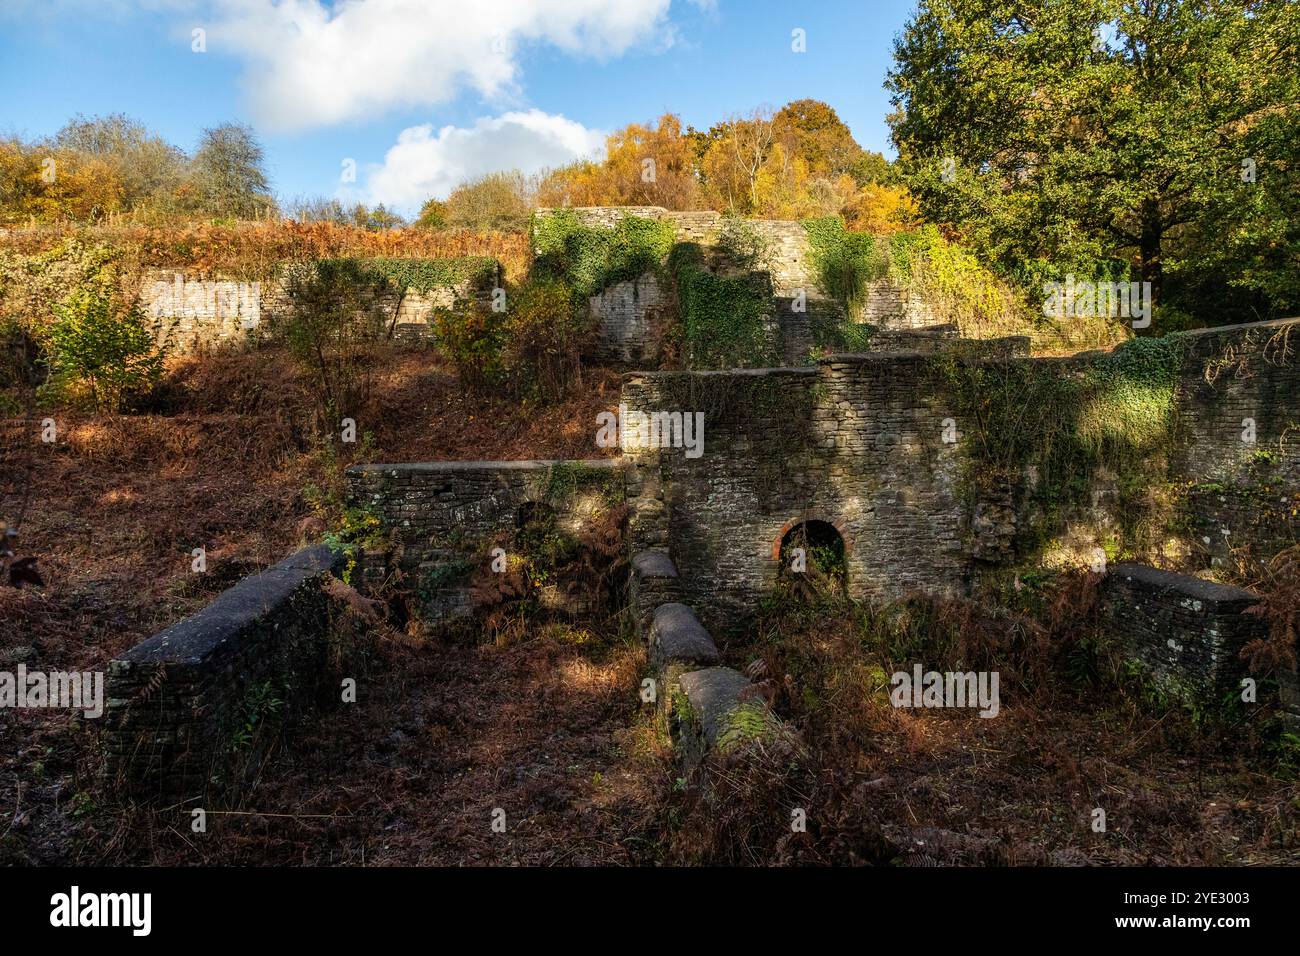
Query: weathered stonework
{"points": [[1187, 632], [176, 702], [195, 311], [653, 582], [890, 306], [858, 442], [443, 515], [631, 318]]}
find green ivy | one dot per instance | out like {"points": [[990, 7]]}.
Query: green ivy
{"points": [[425, 275], [589, 259], [1068, 418], [725, 319]]}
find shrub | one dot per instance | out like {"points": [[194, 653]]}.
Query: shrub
{"points": [[846, 262], [334, 320], [470, 336], [501, 201], [532, 350], [545, 334], [938, 272], [103, 347]]}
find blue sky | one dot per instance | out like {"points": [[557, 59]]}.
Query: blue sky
{"points": [[423, 93]]}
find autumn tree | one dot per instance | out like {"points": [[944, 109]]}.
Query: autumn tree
{"points": [[148, 168], [227, 171], [501, 201]]}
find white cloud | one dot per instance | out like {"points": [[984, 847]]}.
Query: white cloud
{"points": [[426, 163], [312, 65]]}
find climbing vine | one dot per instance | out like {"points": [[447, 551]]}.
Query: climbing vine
{"points": [[589, 259], [726, 321], [425, 275], [943, 275], [1068, 419]]}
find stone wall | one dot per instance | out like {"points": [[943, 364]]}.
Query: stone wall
{"points": [[1187, 633], [176, 702], [632, 317], [197, 311], [446, 516], [858, 441], [630, 321], [891, 306], [1244, 495], [855, 441]]}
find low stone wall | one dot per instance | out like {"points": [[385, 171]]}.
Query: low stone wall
{"points": [[1188, 633], [445, 516], [704, 705], [178, 704]]}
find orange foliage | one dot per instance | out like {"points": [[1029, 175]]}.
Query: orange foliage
{"points": [[57, 184], [644, 166], [252, 249]]}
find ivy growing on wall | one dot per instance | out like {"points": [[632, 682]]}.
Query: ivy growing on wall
{"points": [[1069, 418], [589, 259], [926, 266], [425, 275], [726, 320]]}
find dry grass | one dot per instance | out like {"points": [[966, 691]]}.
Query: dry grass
{"points": [[941, 787], [254, 249]]}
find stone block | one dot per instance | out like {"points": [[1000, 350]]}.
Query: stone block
{"points": [[676, 636]]}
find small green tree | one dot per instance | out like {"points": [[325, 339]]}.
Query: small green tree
{"points": [[336, 317], [546, 333], [228, 172], [104, 346]]}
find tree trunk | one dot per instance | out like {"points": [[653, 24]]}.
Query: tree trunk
{"points": [[1152, 267]]}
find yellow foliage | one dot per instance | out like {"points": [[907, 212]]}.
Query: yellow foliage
{"points": [[881, 209]]}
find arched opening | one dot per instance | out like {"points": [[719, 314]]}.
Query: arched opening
{"points": [[813, 560]]}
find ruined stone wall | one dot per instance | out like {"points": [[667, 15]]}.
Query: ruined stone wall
{"points": [[892, 307], [856, 442], [445, 517], [1188, 633], [632, 317], [176, 702], [197, 311], [1243, 495]]}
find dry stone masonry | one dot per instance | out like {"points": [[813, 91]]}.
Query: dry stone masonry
{"points": [[177, 703], [197, 311], [1187, 632]]}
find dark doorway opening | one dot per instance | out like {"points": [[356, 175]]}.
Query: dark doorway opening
{"points": [[814, 560]]}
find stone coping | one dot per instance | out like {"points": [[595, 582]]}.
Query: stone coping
{"points": [[1202, 590], [612, 464], [205, 632], [677, 637]]}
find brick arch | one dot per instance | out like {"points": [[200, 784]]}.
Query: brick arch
{"points": [[835, 523]]}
